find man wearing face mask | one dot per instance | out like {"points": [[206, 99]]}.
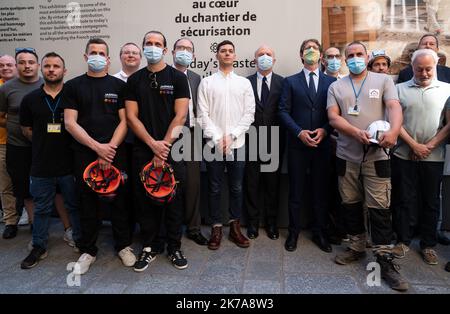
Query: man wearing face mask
{"points": [[94, 115], [264, 185], [183, 55], [157, 103], [303, 113], [364, 172], [331, 62]]}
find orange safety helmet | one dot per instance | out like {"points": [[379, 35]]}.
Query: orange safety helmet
{"points": [[103, 182], [159, 183]]}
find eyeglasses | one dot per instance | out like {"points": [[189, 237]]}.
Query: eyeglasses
{"points": [[180, 48], [379, 52], [153, 82], [30, 50], [329, 57]]}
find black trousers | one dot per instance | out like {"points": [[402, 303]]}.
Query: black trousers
{"points": [[89, 205], [192, 215], [261, 194], [317, 161], [416, 188], [151, 216]]}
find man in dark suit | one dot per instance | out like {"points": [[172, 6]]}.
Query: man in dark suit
{"points": [[430, 41], [303, 113], [183, 55], [262, 187], [427, 41]]}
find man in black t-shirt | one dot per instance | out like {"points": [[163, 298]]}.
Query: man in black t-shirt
{"points": [[95, 116], [42, 122], [157, 101]]}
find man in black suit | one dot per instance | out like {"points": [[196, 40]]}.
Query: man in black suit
{"points": [[261, 188], [303, 113], [183, 55], [427, 41], [430, 41]]}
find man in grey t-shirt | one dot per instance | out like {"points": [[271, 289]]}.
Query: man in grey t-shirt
{"points": [[354, 103], [18, 147]]}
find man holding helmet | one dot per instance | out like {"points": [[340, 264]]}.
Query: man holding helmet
{"points": [[364, 174]]}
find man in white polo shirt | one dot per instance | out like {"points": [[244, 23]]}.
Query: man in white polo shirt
{"points": [[417, 164]]}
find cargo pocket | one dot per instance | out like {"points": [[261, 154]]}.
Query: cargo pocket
{"points": [[341, 166], [383, 168]]}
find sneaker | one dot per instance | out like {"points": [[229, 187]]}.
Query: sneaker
{"points": [[10, 232], [400, 250], [33, 258], [429, 256], [349, 256], [147, 256], [82, 265], [68, 237], [178, 260], [24, 221], [127, 256], [390, 272]]}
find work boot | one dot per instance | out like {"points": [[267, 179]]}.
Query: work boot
{"points": [[216, 237], [236, 236], [390, 272], [349, 256]]}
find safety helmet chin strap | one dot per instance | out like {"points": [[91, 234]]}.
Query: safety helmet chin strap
{"points": [[104, 182], [159, 181]]}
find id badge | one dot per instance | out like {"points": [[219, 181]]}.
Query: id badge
{"points": [[352, 111], [53, 127]]}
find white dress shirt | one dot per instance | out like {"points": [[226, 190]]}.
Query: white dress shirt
{"points": [[315, 77], [121, 75], [259, 82], [226, 106]]}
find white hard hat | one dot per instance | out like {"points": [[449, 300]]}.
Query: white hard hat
{"points": [[376, 129]]}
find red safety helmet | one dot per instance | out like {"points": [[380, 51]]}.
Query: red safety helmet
{"points": [[103, 182], [159, 182]]}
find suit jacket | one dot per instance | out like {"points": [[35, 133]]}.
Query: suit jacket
{"points": [[443, 74], [194, 80], [299, 112], [267, 115]]}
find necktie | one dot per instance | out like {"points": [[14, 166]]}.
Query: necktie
{"points": [[312, 87], [264, 91]]}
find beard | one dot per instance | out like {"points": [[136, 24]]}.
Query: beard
{"points": [[54, 81]]}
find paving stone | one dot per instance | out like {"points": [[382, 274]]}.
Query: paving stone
{"points": [[162, 284], [215, 286], [261, 269], [101, 288], [262, 287], [320, 284]]}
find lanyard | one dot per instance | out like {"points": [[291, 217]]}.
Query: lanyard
{"points": [[359, 92], [53, 110]]}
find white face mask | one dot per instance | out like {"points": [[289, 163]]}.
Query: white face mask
{"points": [[96, 63], [265, 62], [183, 58], [153, 54]]}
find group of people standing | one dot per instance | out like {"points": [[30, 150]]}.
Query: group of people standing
{"points": [[56, 130]]}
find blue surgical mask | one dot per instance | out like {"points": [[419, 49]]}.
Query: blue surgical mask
{"points": [[265, 62], [183, 58], [333, 65], [96, 63], [356, 65], [153, 54]]}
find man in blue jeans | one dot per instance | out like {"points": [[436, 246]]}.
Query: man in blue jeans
{"points": [[41, 119], [226, 111]]}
